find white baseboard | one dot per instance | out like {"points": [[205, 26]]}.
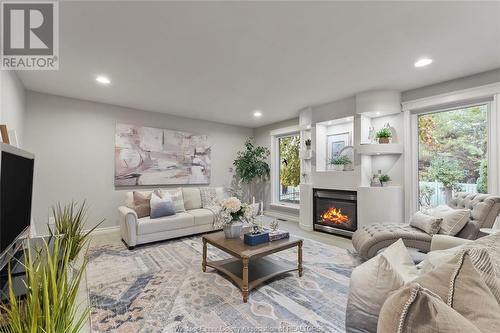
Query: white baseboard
{"points": [[106, 230], [103, 230]]}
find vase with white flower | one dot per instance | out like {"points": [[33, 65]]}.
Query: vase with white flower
{"points": [[233, 212]]}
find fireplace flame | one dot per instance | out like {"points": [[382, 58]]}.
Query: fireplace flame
{"points": [[334, 215]]}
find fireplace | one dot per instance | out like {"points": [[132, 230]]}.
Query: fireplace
{"points": [[335, 211]]}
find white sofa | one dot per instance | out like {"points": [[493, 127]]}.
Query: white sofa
{"points": [[194, 220]]}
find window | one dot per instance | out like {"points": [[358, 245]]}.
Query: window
{"points": [[452, 153], [289, 168]]}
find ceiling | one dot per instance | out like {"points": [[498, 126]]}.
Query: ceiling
{"points": [[220, 61]]}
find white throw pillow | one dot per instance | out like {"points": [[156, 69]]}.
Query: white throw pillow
{"points": [[426, 223], [373, 281], [453, 219]]}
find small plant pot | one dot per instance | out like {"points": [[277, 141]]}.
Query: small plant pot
{"points": [[233, 230], [384, 184], [384, 140], [308, 147], [348, 167], [338, 167]]}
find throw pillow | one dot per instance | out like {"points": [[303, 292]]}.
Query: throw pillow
{"points": [[416, 309], [463, 280], [453, 219], [208, 197], [161, 207], [175, 196], [142, 203], [372, 281], [426, 223]]}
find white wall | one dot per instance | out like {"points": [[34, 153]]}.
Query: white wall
{"points": [[12, 104], [466, 82], [73, 141]]}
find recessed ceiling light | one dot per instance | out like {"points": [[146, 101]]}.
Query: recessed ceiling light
{"points": [[257, 113], [377, 113], [103, 79], [423, 62]]}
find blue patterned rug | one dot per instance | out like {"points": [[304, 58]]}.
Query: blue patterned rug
{"points": [[161, 288]]}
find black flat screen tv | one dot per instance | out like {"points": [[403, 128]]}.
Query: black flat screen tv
{"points": [[16, 186]]}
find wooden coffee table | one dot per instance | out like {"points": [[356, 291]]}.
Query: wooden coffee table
{"points": [[248, 268]]}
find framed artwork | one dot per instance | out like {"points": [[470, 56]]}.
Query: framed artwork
{"points": [[155, 156], [336, 142]]}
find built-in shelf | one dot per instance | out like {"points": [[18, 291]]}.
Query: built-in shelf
{"points": [[379, 149]]}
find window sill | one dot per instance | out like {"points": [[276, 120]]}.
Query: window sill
{"points": [[288, 206]]}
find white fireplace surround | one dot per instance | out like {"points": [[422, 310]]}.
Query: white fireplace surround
{"points": [[375, 204]]}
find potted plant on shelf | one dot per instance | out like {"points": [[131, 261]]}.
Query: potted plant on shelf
{"points": [[231, 215], [308, 143], [339, 162], [384, 135], [384, 179]]}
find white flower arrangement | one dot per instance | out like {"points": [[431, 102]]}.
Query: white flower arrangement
{"points": [[232, 210]]}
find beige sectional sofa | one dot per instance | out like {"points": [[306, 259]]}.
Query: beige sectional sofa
{"points": [[484, 208], [193, 220], [402, 309]]}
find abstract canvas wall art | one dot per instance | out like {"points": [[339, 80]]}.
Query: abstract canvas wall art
{"points": [[154, 156]]}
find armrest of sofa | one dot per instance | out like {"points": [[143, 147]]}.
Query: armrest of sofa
{"points": [[128, 225], [444, 242]]}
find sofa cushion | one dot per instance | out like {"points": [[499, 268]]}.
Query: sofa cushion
{"points": [[467, 288], [453, 219], [176, 196], [426, 223], [416, 309], [161, 207], [456, 273], [208, 197], [372, 281], [202, 216], [142, 203], [192, 197], [178, 221]]}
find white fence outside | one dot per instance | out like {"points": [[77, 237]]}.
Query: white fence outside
{"points": [[438, 198]]}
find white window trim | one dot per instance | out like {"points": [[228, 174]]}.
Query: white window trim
{"points": [[454, 99], [275, 163]]}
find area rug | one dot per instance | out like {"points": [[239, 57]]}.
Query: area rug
{"points": [[161, 288]]}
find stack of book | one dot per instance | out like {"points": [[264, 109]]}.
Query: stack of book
{"points": [[278, 234]]}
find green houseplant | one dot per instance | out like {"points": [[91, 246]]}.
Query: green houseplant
{"points": [[251, 166], [384, 135], [69, 221], [339, 162], [384, 179], [50, 303]]}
